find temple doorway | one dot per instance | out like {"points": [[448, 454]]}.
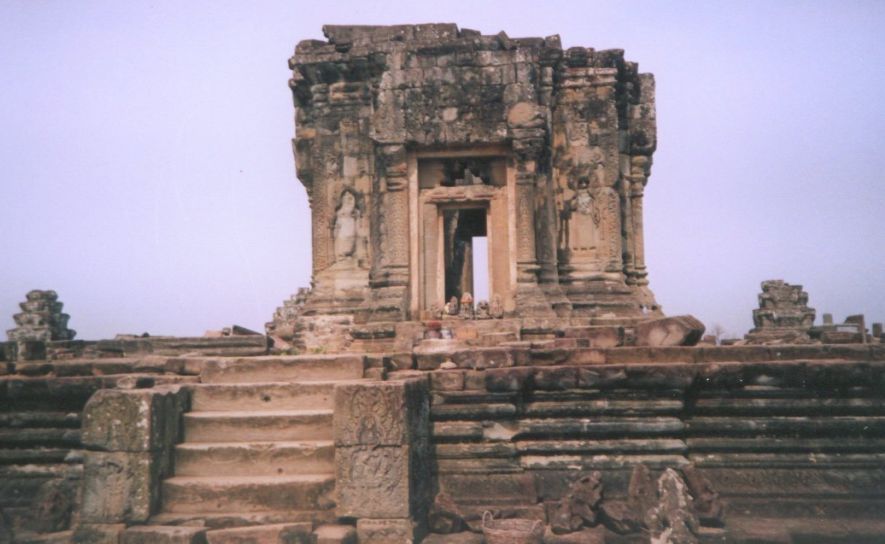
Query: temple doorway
{"points": [[462, 229], [465, 231]]}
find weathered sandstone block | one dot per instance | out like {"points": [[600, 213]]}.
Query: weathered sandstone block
{"points": [[387, 531], [382, 437], [392, 413], [136, 420], [373, 481], [120, 486], [683, 330]]}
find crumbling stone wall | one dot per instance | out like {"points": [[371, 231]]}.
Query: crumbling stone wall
{"points": [[785, 432]]}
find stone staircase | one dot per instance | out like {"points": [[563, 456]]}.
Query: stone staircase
{"points": [[257, 463]]}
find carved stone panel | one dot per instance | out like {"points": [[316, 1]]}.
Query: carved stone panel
{"points": [[372, 481], [382, 437], [381, 413]]}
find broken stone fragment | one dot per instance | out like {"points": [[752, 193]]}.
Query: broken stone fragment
{"points": [[673, 520], [445, 517], [620, 517], [564, 519], [683, 330], [707, 504], [578, 507], [642, 495]]}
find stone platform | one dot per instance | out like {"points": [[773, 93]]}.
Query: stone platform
{"points": [[789, 438]]}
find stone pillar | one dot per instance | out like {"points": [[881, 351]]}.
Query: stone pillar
{"points": [[382, 449], [393, 218], [636, 271], [130, 438], [527, 124], [389, 277], [547, 227]]}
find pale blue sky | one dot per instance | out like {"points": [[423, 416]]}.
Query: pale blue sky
{"points": [[147, 174]]}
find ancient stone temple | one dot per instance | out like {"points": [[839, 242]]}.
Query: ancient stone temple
{"points": [[391, 403], [414, 141]]}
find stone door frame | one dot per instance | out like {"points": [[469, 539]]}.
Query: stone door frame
{"points": [[426, 209]]}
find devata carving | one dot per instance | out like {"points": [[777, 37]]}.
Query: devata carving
{"points": [[349, 245]]}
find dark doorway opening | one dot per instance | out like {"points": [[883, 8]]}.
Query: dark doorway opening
{"points": [[461, 226]]}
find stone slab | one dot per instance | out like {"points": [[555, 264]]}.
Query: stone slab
{"points": [[158, 534]]}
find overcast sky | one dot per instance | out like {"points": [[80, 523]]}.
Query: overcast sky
{"points": [[147, 174]]}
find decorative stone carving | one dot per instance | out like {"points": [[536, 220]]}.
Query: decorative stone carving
{"points": [[583, 219], [381, 449], [348, 243]]}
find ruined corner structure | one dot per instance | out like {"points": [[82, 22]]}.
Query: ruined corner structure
{"points": [[783, 315], [412, 140]]}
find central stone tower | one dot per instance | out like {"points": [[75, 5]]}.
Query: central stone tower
{"points": [[413, 141]]}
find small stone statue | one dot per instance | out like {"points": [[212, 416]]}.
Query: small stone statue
{"points": [[452, 306], [467, 306], [482, 310]]}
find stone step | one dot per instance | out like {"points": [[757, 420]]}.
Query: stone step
{"points": [[158, 534], [33, 455], [245, 426], [335, 534], [224, 520], [262, 534], [301, 368], [47, 437], [60, 537], [263, 396], [248, 494], [39, 419], [255, 458]]}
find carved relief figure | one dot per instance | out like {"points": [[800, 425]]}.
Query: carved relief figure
{"points": [[585, 218], [610, 235], [345, 229]]}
